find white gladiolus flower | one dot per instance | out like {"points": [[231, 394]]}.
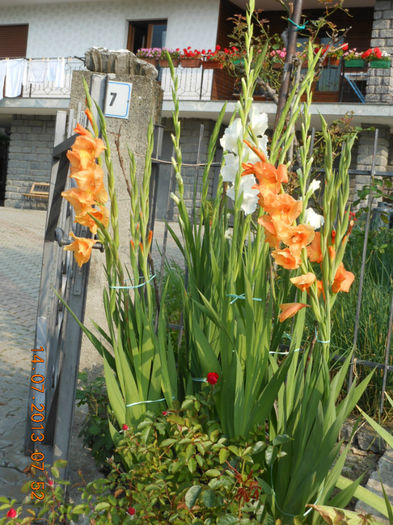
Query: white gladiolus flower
{"points": [[250, 195], [229, 170], [258, 121], [315, 185], [313, 219], [231, 136]]}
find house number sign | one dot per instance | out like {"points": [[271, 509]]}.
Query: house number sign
{"points": [[118, 97]]}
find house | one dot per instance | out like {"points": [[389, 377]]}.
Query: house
{"points": [[51, 36]]}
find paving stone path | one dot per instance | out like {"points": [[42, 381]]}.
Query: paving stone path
{"points": [[21, 241]]}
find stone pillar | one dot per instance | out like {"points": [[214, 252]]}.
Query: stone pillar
{"points": [[365, 156], [380, 81], [145, 105]]}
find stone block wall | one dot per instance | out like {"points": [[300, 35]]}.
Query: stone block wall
{"points": [[192, 176], [29, 158], [365, 153], [380, 81]]}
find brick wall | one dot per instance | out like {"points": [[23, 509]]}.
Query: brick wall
{"points": [[380, 81], [29, 158]]}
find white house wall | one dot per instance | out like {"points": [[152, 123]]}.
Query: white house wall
{"points": [[69, 29]]}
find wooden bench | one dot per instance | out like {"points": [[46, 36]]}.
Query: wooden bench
{"points": [[39, 190]]}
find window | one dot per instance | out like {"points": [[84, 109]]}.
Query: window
{"points": [[146, 33], [13, 41]]}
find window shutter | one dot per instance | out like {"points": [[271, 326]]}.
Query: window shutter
{"points": [[13, 41]]}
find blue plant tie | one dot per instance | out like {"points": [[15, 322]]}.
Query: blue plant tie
{"points": [[133, 287], [319, 340], [298, 28], [242, 296]]}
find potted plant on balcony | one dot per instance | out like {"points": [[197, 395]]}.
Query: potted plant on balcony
{"points": [[173, 53], [149, 54], [377, 58], [216, 59], [353, 58], [333, 56], [190, 58], [278, 57]]}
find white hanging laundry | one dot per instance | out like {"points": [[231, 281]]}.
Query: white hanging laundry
{"points": [[56, 71], [37, 71], [51, 71], [3, 69], [15, 74], [60, 73]]}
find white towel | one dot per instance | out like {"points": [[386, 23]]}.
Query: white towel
{"points": [[56, 72], [3, 69], [37, 71], [15, 72]]}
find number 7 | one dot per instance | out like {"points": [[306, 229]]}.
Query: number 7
{"points": [[113, 95]]}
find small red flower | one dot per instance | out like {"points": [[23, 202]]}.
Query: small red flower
{"points": [[212, 378], [51, 482], [164, 413], [125, 427], [131, 511], [12, 513]]}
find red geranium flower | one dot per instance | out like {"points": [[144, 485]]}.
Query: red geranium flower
{"points": [[125, 427], [212, 378], [12, 513], [164, 413], [131, 511]]}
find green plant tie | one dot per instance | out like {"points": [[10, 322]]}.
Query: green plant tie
{"points": [[298, 28], [133, 287], [285, 353], [199, 379], [241, 296], [148, 401]]}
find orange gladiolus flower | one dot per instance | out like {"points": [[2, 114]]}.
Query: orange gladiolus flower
{"points": [[297, 237], [342, 280], [92, 182], [271, 235], [79, 199], [303, 282], [282, 208], [101, 214], [257, 151], [287, 259], [314, 249], [290, 309], [82, 248], [87, 142]]}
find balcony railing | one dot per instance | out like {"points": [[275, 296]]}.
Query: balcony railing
{"points": [[194, 83], [52, 77], [41, 77]]}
